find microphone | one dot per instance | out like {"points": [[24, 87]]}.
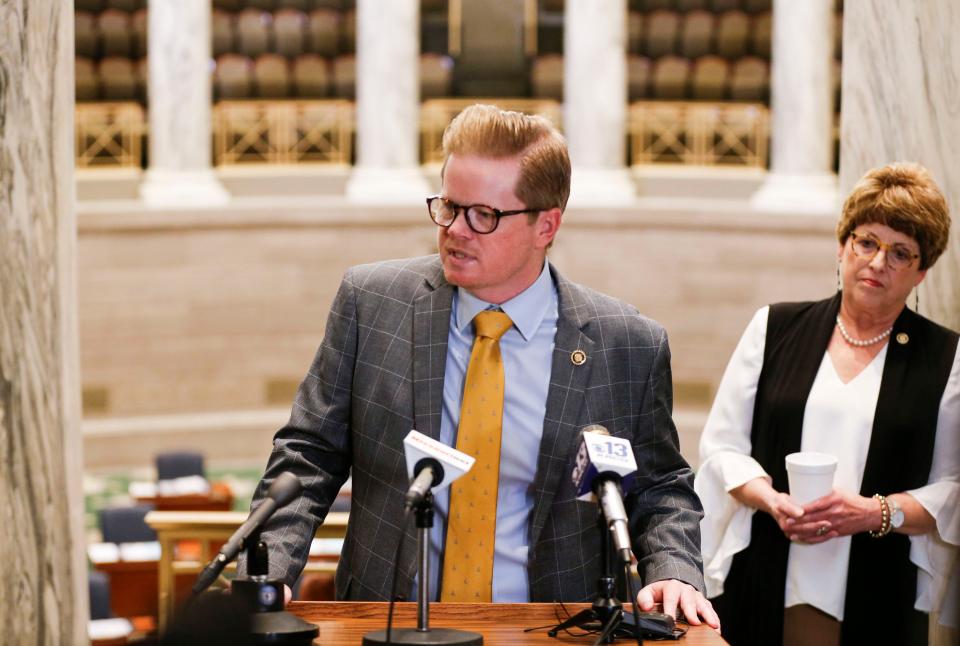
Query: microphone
{"points": [[431, 465], [603, 464], [429, 474], [284, 489]]}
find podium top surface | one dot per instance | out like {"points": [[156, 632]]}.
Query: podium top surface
{"points": [[345, 623]]}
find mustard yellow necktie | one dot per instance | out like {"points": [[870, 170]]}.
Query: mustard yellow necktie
{"points": [[472, 522]]}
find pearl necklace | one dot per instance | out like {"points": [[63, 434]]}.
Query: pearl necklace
{"points": [[862, 344]]}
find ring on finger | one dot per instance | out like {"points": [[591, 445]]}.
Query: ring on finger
{"points": [[823, 530]]}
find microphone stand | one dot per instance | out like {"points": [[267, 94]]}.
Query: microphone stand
{"points": [[263, 597], [606, 611], [423, 635]]}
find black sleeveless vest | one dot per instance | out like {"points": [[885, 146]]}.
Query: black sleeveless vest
{"points": [[881, 582]]}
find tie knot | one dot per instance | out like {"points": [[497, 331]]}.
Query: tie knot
{"points": [[492, 325]]}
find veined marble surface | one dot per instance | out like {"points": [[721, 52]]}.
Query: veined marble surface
{"points": [[43, 599], [801, 93], [901, 102], [388, 90], [179, 84], [595, 82]]}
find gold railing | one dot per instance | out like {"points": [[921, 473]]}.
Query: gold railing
{"points": [[282, 132], [321, 131], [698, 133], [109, 135], [435, 114]]}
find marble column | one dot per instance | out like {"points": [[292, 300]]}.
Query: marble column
{"points": [[43, 596], [900, 103], [179, 105], [388, 104], [801, 103], [595, 100]]}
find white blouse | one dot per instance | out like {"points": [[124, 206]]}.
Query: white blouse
{"points": [[838, 420]]}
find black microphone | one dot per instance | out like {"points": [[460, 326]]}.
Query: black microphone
{"points": [[428, 473], [602, 463], [284, 489]]}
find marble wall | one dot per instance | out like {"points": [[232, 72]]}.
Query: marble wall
{"points": [[901, 101], [43, 599]]}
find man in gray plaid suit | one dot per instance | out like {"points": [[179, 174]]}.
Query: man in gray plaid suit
{"points": [[393, 359]]}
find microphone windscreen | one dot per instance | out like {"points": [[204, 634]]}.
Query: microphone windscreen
{"points": [[284, 489]]}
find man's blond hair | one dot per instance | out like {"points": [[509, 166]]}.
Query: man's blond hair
{"points": [[488, 131]]}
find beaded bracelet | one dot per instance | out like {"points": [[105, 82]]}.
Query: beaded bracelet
{"points": [[885, 525]]}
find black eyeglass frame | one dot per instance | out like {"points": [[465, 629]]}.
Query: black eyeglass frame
{"points": [[465, 208], [882, 246]]}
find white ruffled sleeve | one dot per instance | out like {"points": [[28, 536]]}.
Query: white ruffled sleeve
{"points": [[725, 461], [936, 554]]}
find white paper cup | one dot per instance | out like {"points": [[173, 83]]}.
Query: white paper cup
{"points": [[810, 475]]}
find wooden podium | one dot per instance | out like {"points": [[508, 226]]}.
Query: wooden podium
{"points": [[344, 623]]}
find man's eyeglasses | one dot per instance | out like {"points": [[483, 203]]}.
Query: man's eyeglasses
{"points": [[898, 256], [480, 218]]}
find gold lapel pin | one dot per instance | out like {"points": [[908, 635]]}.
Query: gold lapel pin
{"points": [[903, 338], [578, 357]]}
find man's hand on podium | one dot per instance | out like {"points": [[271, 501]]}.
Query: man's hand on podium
{"points": [[672, 593]]}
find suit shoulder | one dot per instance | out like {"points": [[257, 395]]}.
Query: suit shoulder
{"points": [[396, 278], [611, 314]]}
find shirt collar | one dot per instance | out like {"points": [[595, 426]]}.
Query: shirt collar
{"points": [[526, 309]]}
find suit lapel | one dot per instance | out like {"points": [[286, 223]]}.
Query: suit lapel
{"points": [[431, 325], [565, 400]]}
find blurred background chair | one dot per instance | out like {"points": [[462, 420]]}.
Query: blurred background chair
{"points": [[696, 37], [138, 23], [290, 31], [546, 77], [179, 464], [271, 76], [311, 76], [85, 34], [733, 29], [762, 35], [345, 76], [671, 76], [86, 80], [436, 75], [634, 32], [233, 77], [323, 32], [638, 77], [118, 79], [115, 33], [709, 79], [749, 79], [253, 32], [126, 524], [224, 35], [348, 32], [663, 27], [99, 586]]}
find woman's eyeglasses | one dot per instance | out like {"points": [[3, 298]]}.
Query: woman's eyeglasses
{"points": [[898, 256]]}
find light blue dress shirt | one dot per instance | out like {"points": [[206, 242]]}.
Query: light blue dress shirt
{"points": [[527, 351]]}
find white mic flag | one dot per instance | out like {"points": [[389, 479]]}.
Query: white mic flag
{"points": [[417, 446]]}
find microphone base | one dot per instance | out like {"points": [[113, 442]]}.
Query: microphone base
{"points": [[280, 627], [432, 637]]}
